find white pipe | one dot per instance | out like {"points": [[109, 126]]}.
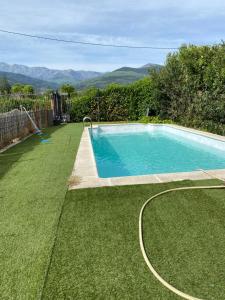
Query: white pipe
{"points": [[141, 242], [32, 121]]}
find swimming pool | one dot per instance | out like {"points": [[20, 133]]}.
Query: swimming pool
{"points": [[131, 150]]}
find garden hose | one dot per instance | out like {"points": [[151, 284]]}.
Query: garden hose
{"points": [[147, 260]]}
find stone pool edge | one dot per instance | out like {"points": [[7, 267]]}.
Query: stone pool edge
{"points": [[85, 175]]}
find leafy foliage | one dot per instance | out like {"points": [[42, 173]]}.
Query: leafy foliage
{"points": [[68, 88], [155, 120], [28, 89], [17, 88], [34, 103], [5, 86], [21, 89], [115, 102], [189, 89]]}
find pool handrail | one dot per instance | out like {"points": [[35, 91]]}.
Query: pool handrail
{"points": [[86, 118]]}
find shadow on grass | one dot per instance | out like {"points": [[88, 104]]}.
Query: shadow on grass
{"points": [[15, 154]]}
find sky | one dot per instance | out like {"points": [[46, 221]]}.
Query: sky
{"points": [[159, 23]]}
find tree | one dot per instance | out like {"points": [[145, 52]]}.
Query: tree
{"points": [[5, 87], [191, 87], [17, 88], [28, 89], [68, 89]]}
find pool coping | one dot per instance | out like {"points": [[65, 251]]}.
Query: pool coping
{"points": [[85, 174]]}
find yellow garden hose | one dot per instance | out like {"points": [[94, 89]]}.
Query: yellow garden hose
{"points": [[147, 260]]}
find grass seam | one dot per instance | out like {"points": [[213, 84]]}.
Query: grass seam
{"points": [[52, 250], [55, 238]]}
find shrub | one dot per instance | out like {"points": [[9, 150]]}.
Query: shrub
{"points": [[9, 103], [155, 120], [189, 90], [115, 102]]}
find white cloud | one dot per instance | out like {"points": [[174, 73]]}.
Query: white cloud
{"points": [[167, 23]]}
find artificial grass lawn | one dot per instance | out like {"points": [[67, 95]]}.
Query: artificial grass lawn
{"points": [[32, 190], [97, 255]]}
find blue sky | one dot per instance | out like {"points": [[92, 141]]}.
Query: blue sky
{"points": [[165, 23]]}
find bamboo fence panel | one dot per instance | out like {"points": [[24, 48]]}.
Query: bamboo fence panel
{"points": [[15, 124]]}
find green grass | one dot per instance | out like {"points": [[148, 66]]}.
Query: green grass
{"points": [[32, 190], [91, 249], [97, 254]]}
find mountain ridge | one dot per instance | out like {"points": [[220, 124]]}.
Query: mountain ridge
{"points": [[38, 84], [124, 75], [54, 78], [47, 74]]}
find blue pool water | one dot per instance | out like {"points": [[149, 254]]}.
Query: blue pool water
{"points": [[127, 150]]}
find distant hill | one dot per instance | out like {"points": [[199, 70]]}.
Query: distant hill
{"points": [[14, 78], [52, 75], [42, 78], [123, 75]]}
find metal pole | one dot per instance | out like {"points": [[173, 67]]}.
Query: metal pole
{"points": [[98, 100]]}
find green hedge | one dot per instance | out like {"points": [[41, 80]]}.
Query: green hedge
{"points": [[115, 103], [191, 87], [188, 90], [10, 103]]}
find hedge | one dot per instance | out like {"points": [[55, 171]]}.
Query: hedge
{"points": [[189, 90]]}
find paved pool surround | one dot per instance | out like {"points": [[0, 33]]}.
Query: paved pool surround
{"points": [[85, 174]]}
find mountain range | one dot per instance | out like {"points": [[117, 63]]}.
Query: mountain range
{"points": [[39, 84], [124, 75], [42, 77], [52, 75]]}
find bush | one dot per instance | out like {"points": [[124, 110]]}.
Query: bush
{"points": [[9, 103], [189, 90], [115, 102], [155, 120]]}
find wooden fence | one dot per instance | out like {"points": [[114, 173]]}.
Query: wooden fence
{"points": [[16, 124]]}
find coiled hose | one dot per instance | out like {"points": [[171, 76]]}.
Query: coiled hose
{"points": [[141, 242]]}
